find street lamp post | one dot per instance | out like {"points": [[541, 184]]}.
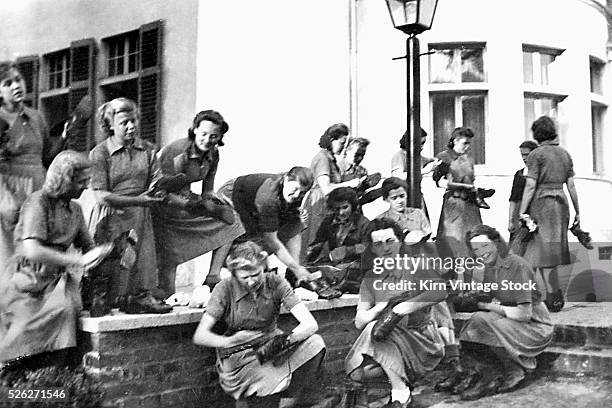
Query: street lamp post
{"points": [[413, 17]]}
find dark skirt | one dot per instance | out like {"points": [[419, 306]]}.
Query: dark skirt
{"points": [[523, 341], [458, 216], [548, 247]]}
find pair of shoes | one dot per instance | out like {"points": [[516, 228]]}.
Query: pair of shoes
{"points": [[142, 303], [554, 301], [481, 389]]}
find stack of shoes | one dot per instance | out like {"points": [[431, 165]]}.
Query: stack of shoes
{"points": [[141, 303]]}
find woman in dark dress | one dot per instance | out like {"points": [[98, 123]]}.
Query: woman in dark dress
{"points": [[186, 231], [40, 299], [516, 326], [459, 210], [549, 168], [249, 305], [518, 186]]}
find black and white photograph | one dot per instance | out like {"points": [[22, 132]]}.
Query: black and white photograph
{"points": [[313, 204]]}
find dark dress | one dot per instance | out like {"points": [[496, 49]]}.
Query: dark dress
{"points": [[550, 166], [22, 173], [522, 340], [414, 347], [39, 303], [184, 236], [459, 213], [240, 374], [258, 200], [398, 162], [516, 196], [126, 171]]}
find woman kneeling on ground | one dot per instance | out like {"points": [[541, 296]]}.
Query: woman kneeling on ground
{"points": [[249, 305], [516, 327]]}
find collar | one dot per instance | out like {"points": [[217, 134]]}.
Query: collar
{"points": [[554, 142], [453, 154], [114, 147], [194, 153], [239, 292]]}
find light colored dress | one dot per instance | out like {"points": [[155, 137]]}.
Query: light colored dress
{"points": [[522, 340], [126, 171], [240, 374], [39, 303]]}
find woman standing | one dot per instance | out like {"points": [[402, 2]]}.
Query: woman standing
{"points": [[327, 177], [518, 186], [518, 328], [124, 166], [460, 213], [549, 167], [249, 304], [192, 230], [25, 147], [40, 299]]}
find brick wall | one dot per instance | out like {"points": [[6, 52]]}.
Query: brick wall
{"points": [[161, 367]]}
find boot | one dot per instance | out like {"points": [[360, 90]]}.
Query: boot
{"points": [[482, 388], [514, 374], [385, 324], [168, 184]]}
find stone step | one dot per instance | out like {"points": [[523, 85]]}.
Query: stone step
{"points": [[568, 359]]}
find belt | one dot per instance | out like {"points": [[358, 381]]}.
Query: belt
{"points": [[228, 351], [550, 186]]}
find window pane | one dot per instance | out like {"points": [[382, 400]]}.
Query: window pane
{"points": [[529, 116], [596, 70], [442, 67], [545, 61], [527, 67], [597, 116], [473, 107], [472, 69], [443, 107]]}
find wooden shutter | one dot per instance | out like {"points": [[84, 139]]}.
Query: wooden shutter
{"points": [[82, 68], [149, 81], [28, 66]]}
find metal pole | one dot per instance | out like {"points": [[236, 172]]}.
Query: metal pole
{"points": [[413, 122]]}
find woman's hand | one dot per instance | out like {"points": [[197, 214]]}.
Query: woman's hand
{"points": [[242, 336], [92, 258], [484, 306], [430, 167], [355, 183], [576, 219]]}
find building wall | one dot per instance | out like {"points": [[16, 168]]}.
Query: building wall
{"points": [[39, 26]]}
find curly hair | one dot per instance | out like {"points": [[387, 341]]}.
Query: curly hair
{"points": [[459, 133], [332, 133], [341, 194], [211, 116], [108, 110], [62, 170], [378, 224], [543, 129], [492, 234], [245, 255]]}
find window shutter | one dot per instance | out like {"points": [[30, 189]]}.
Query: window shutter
{"points": [[149, 81], [28, 66], [82, 68]]}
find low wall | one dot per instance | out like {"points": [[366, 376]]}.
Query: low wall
{"points": [[151, 361]]}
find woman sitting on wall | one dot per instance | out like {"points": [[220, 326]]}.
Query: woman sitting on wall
{"points": [[517, 327], [40, 300], [256, 361]]}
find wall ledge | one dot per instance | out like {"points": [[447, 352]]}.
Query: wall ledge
{"points": [[186, 315]]}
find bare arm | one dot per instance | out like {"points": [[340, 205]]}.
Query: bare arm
{"points": [[511, 211], [288, 256], [307, 324], [205, 337], [35, 251], [118, 201], [530, 187], [327, 186], [521, 313], [367, 313], [571, 188], [425, 299]]}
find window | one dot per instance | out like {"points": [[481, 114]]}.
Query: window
{"points": [[536, 106], [133, 70], [596, 69], [455, 109], [28, 66], [597, 120], [123, 53], [456, 63], [538, 63], [58, 69]]}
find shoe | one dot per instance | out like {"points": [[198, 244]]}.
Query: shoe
{"points": [[583, 237], [481, 389], [468, 380], [480, 202], [385, 324], [168, 184], [372, 180], [321, 287], [213, 208], [554, 301], [512, 379], [143, 303], [485, 192], [80, 116]]}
